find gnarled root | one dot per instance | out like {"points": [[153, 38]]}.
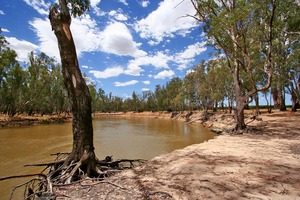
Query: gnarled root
{"points": [[65, 170]]}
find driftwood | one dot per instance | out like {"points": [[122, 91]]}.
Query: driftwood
{"points": [[55, 173]]}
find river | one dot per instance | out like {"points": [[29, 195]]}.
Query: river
{"points": [[131, 138]]}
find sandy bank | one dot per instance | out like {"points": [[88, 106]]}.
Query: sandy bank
{"points": [[262, 163], [19, 121]]}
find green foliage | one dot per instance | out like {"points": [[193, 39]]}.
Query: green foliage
{"points": [[35, 88], [79, 7]]}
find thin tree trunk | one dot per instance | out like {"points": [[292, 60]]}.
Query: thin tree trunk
{"points": [[256, 99]]}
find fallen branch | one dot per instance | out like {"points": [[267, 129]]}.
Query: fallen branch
{"points": [[60, 153], [115, 164], [22, 176], [45, 164]]}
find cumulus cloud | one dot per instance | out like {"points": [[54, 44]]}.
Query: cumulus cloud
{"points": [[122, 84], [146, 82], [118, 15], [133, 70], [2, 12], [123, 2], [46, 38], [116, 39], [145, 3], [145, 89], [22, 48], [164, 74], [94, 2], [4, 30], [168, 19], [108, 72], [159, 60], [185, 57], [39, 5], [86, 36]]}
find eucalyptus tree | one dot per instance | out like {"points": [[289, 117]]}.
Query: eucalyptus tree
{"points": [[78, 92], [59, 97], [150, 101], [244, 32], [286, 48], [189, 90], [13, 89], [12, 80], [173, 89], [203, 86], [40, 83], [160, 94], [219, 82], [93, 93]]}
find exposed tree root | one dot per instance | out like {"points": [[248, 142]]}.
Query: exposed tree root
{"points": [[64, 170]]}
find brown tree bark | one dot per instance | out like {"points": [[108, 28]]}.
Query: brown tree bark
{"points": [[278, 99], [78, 91]]}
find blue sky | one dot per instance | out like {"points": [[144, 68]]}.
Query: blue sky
{"points": [[122, 45]]}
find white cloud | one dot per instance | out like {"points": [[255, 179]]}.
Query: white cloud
{"points": [[189, 71], [2, 12], [116, 39], [97, 11], [160, 60], [22, 48], [4, 30], [89, 38], [39, 5], [124, 2], [86, 34], [168, 19], [145, 89], [187, 56], [46, 38], [133, 70], [108, 72], [145, 3], [118, 15], [85, 66], [146, 82], [94, 3], [122, 84], [164, 74]]}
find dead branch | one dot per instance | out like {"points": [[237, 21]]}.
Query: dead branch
{"points": [[45, 164], [22, 176], [60, 153], [115, 164]]}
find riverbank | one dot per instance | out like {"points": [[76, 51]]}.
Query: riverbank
{"points": [[261, 163], [22, 120]]}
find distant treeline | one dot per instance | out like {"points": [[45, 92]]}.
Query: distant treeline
{"points": [[38, 88]]}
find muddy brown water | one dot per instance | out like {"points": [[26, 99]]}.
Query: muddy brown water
{"points": [[123, 138]]}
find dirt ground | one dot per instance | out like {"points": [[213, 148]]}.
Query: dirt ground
{"points": [[261, 163]]}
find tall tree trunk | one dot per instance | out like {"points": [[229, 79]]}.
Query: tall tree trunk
{"points": [[240, 119], [295, 99], [78, 91], [256, 99], [279, 102]]}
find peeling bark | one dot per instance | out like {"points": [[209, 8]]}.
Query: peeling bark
{"points": [[78, 91]]}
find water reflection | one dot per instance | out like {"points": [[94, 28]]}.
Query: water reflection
{"points": [[123, 138]]}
